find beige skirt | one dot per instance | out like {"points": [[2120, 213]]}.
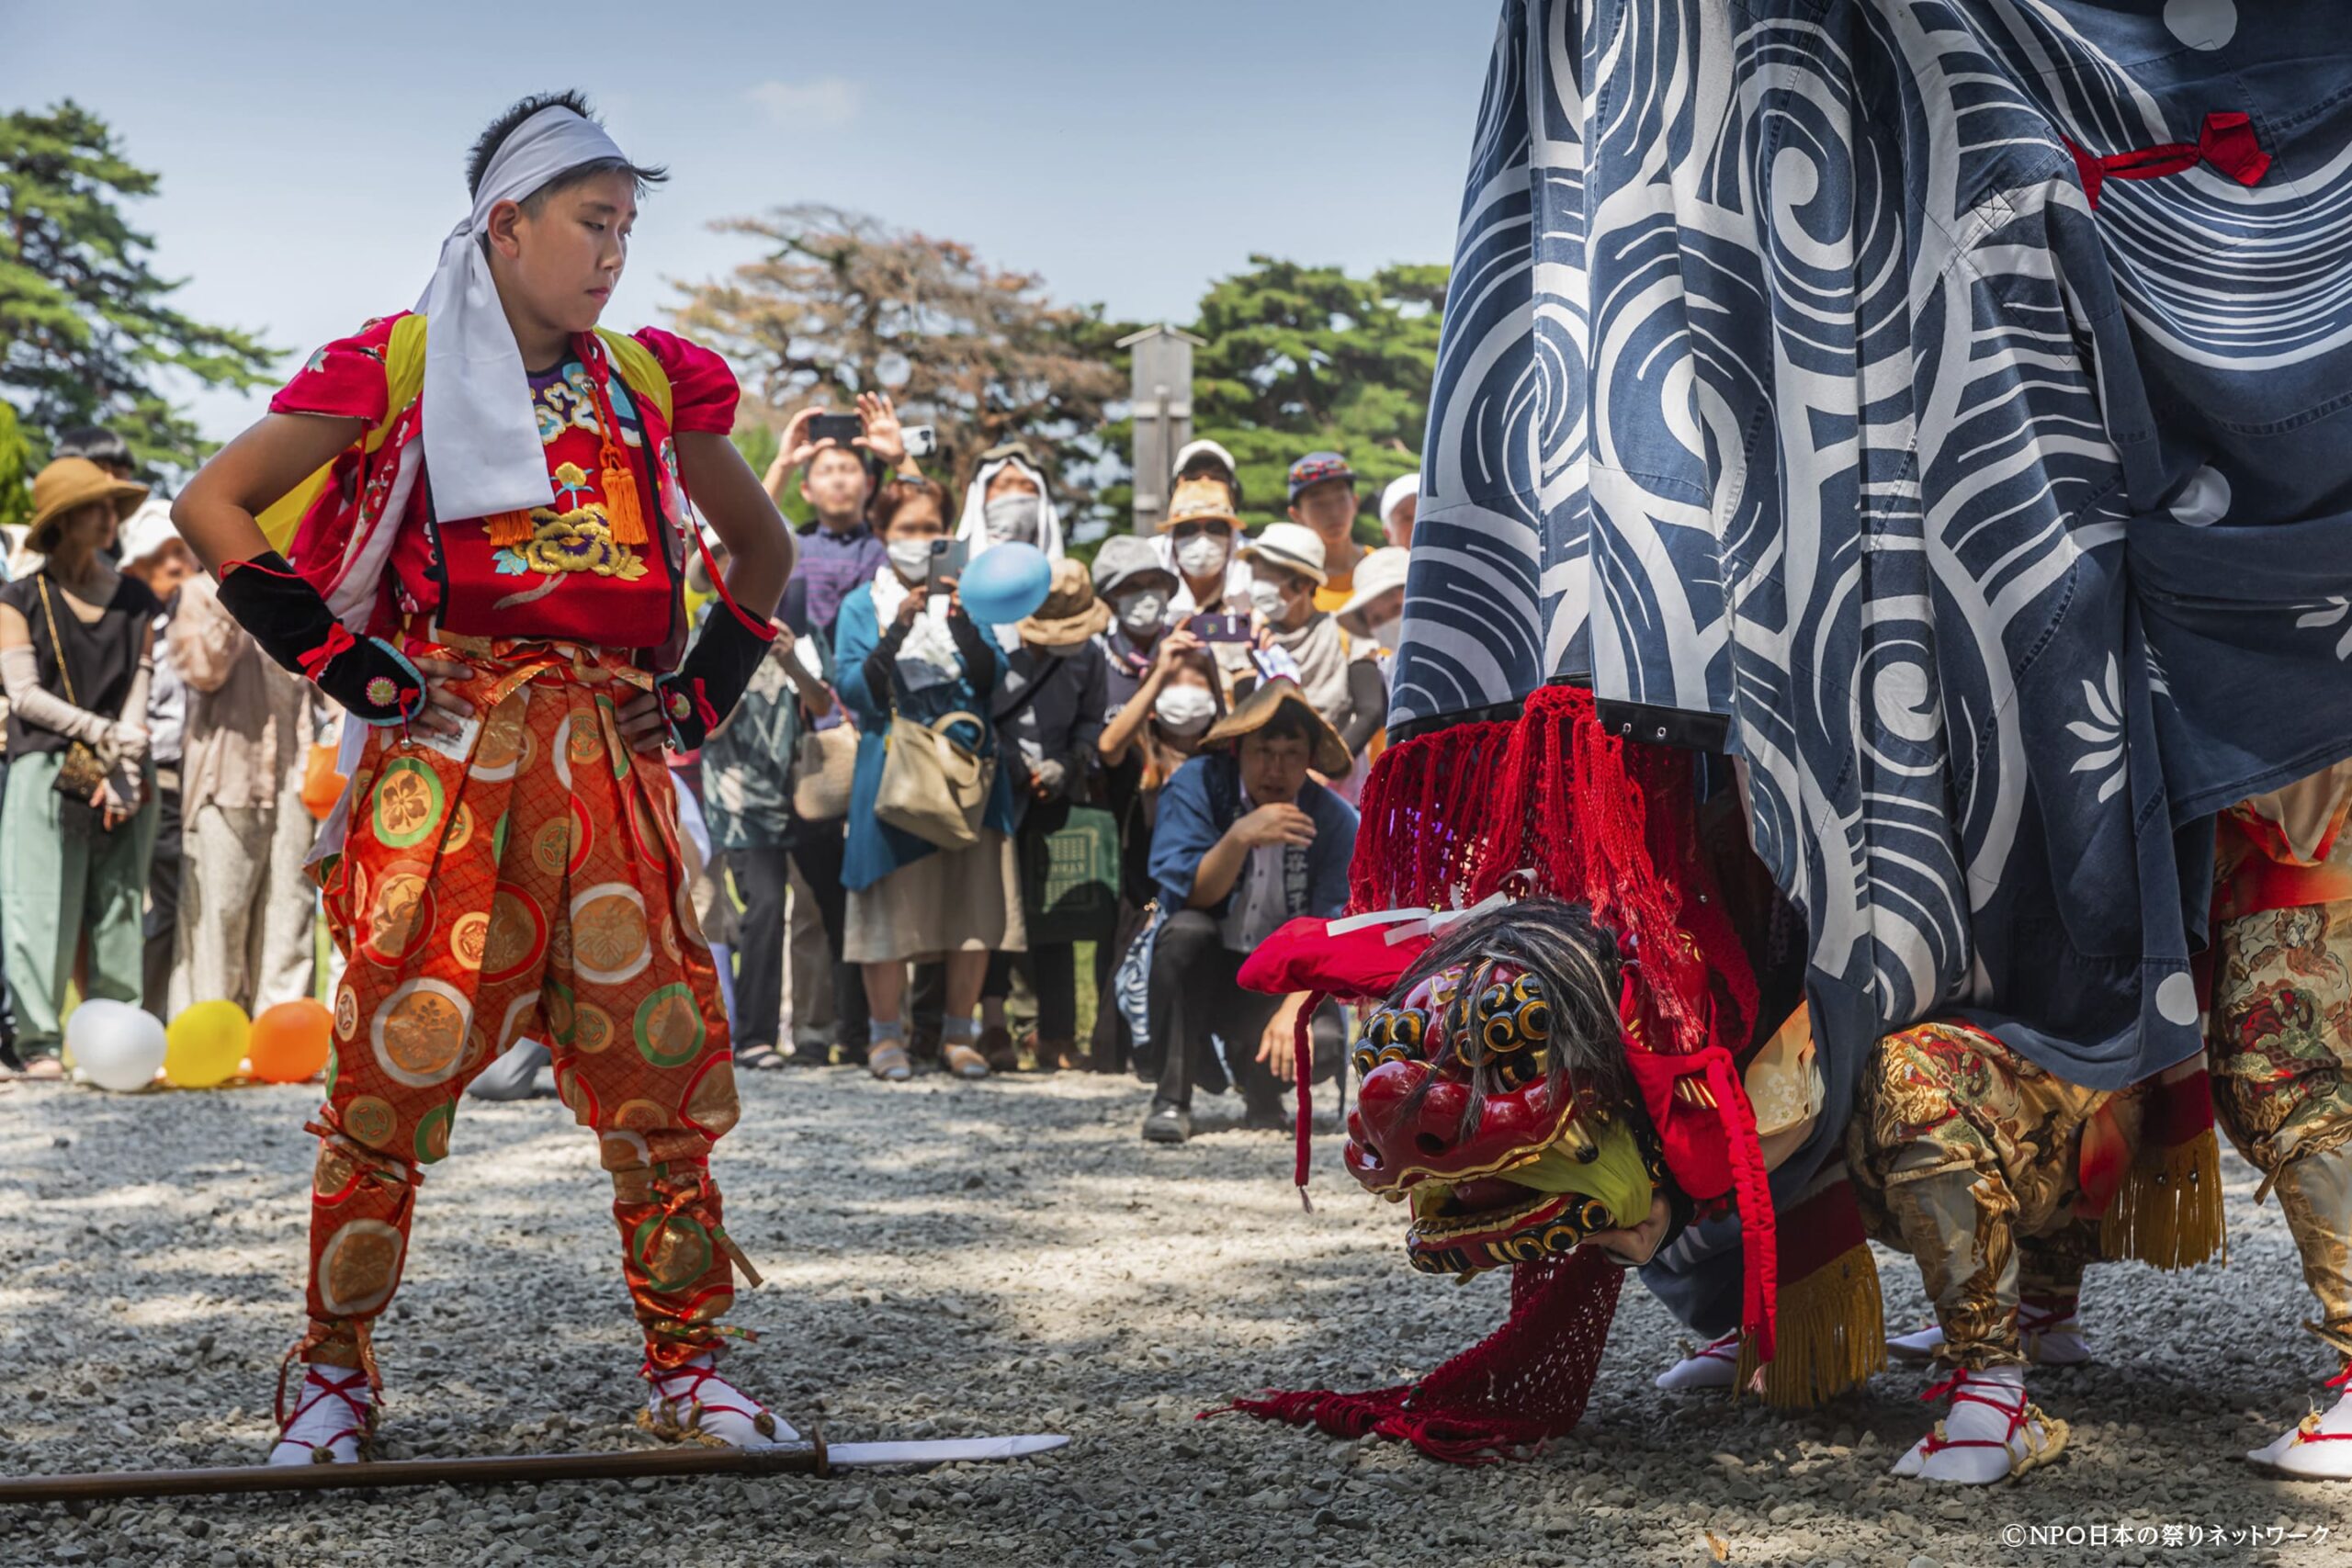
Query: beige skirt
{"points": [[951, 901]]}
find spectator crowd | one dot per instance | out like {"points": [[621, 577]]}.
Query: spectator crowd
{"points": [[1169, 749]]}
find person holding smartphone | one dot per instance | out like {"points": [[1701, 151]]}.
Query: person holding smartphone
{"points": [[905, 651], [829, 452]]}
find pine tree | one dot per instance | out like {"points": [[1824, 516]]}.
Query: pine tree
{"points": [[88, 332], [1302, 359]]}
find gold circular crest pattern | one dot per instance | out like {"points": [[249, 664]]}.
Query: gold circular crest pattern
{"points": [[609, 941], [419, 1032], [518, 934], [399, 915], [370, 1118], [359, 1267], [467, 936]]}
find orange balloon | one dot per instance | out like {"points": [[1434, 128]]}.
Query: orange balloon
{"points": [[289, 1041]]}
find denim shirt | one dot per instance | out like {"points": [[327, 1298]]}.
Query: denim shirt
{"points": [[1205, 797]]}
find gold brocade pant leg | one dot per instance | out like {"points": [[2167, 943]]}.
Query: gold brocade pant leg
{"points": [[2280, 1051], [2050, 1268], [1963, 1155]]}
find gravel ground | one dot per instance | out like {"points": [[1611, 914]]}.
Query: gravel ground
{"points": [[1009, 1257]]}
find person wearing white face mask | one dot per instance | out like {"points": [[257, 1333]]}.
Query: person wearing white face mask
{"points": [[1288, 581], [1130, 577], [1151, 733], [1197, 543], [901, 657], [1008, 502]]}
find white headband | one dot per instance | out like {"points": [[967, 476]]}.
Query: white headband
{"points": [[482, 454]]}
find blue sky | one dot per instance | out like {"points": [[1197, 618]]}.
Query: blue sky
{"points": [[312, 156]]}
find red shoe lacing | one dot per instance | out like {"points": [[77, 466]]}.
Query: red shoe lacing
{"points": [[698, 1376], [1724, 1349], [327, 1388], [2307, 1429], [1957, 1386]]}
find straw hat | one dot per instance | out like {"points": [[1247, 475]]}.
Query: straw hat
{"points": [[70, 483], [1200, 501], [1326, 753], [1070, 614], [1293, 546], [1377, 571]]}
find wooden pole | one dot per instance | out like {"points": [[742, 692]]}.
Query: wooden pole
{"points": [[796, 1459]]}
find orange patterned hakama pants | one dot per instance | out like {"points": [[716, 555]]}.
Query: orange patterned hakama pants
{"points": [[525, 882]]}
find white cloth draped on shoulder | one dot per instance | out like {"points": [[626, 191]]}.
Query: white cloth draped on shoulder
{"points": [[482, 454]]}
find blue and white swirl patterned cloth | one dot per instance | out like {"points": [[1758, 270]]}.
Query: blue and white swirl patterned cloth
{"points": [[1790, 377]]}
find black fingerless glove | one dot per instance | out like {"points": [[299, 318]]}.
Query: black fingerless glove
{"points": [[370, 678], [697, 696]]}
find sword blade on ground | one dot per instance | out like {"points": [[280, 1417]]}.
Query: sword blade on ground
{"points": [[814, 1458], [948, 1450]]}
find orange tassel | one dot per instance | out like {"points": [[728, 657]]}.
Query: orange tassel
{"points": [[509, 529], [622, 513]]}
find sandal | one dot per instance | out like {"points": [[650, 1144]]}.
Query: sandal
{"points": [[761, 1058], [693, 1403], [962, 1060], [332, 1421], [889, 1063], [996, 1047], [44, 1069]]}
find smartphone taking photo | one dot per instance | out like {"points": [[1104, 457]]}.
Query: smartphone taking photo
{"points": [[840, 428], [947, 559], [1220, 628]]}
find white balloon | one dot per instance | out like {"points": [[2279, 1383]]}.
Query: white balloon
{"points": [[115, 1045]]}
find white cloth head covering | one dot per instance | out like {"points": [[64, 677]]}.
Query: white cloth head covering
{"points": [[482, 454], [972, 528]]}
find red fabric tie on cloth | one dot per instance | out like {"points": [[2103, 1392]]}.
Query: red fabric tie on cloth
{"points": [[339, 641], [2226, 141], [703, 708]]}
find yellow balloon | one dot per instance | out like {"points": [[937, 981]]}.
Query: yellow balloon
{"points": [[206, 1045]]}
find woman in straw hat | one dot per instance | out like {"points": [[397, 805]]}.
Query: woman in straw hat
{"points": [[76, 654]]}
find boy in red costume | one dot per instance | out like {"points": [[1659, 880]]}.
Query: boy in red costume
{"points": [[483, 565]]}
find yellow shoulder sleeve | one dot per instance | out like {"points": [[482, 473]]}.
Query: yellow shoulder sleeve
{"points": [[638, 368], [403, 380]]}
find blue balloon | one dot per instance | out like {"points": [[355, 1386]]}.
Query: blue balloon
{"points": [[1005, 583]]}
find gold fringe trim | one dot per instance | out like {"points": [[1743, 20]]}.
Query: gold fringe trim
{"points": [[1832, 1334], [2168, 1210], [510, 529]]}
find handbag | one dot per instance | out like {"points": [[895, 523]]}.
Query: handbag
{"points": [[933, 786], [79, 769], [1069, 878], [823, 764]]}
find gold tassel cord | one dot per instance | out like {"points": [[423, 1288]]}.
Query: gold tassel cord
{"points": [[510, 530], [1832, 1334], [2168, 1214], [622, 513]]}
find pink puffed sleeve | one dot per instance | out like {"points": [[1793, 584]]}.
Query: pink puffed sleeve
{"points": [[345, 378], [703, 392]]}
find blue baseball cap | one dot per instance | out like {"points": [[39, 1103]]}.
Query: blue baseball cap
{"points": [[1315, 467]]}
